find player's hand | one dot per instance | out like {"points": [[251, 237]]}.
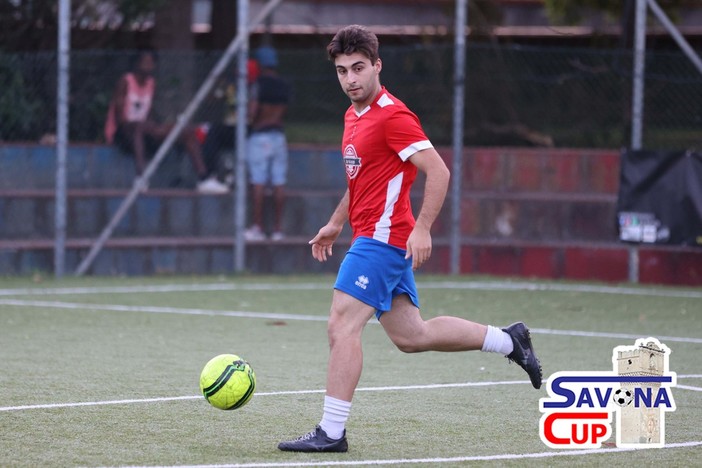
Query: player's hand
{"points": [[323, 241], [418, 247]]}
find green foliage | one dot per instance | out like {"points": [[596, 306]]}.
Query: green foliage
{"points": [[19, 106], [133, 9], [574, 11], [515, 95], [31, 25], [46, 11]]}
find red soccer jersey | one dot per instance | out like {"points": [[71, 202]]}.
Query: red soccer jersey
{"points": [[376, 147]]}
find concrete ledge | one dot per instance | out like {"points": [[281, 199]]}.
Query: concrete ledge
{"points": [[148, 242], [583, 261], [180, 212], [33, 166], [549, 170]]}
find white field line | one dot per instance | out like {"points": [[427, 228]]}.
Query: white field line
{"points": [[166, 288], [548, 331], [160, 310], [282, 316], [285, 392], [263, 394], [689, 387], [406, 461], [475, 285]]}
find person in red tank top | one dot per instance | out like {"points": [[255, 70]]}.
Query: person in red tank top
{"points": [[129, 124], [383, 148]]}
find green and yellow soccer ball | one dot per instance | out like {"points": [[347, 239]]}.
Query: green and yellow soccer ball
{"points": [[227, 382]]}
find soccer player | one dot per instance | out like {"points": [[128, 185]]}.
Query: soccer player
{"points": [[383, 148]]}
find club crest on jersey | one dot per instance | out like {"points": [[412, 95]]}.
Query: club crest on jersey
{"points": [[351, 161]]}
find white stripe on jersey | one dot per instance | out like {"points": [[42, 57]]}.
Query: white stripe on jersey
{"points": [[382, 227], [413, 148], [385, 100]]}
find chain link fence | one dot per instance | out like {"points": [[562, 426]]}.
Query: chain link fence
{"points": [[515, 96]]}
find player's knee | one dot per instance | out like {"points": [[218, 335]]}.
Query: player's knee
{"points": [[336, 329]]}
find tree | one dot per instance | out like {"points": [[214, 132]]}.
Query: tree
{"points": [[573, 11], [31, 25]]}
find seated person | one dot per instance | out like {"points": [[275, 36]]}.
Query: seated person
{"points": [[130, 127], [221, 112]]}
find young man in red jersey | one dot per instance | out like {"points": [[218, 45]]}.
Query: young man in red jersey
{"points": [[383, 148]]}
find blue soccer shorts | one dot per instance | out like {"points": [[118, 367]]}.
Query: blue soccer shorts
{"points": [[374, 273]]}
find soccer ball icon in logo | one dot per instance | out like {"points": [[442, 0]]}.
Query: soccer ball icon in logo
{"points": [[227, 382], [623, 397]]}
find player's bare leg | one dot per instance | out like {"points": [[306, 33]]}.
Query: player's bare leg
{"points": [[412, 334], [347, 319]]}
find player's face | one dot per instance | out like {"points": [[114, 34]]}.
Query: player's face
{"points": [[359, 78]]}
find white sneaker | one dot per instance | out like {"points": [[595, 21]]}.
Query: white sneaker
{"points": [[212, 186], [254, 233], [277, 236]]}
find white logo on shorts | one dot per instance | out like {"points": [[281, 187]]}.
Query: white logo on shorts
{"points": [[362, 282]]}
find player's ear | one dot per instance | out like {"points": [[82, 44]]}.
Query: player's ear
{"points": [[378, 65]]}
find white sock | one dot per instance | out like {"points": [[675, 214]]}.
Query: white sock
{"points": [[336, 412], [497, 341]]}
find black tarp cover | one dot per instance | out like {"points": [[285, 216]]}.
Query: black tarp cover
{"points": [[660, 197]]}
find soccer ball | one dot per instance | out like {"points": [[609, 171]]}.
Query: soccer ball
{"points": [[623, 397], [227, 382]]}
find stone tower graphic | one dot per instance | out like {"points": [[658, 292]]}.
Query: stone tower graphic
{"points": [[643, 424]]}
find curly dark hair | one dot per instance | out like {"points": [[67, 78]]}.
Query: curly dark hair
{"points": [[354, 38]]}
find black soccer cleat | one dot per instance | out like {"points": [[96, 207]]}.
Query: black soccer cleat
{"points": [[523, 353], [315, 441]]}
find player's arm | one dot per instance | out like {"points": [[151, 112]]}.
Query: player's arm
{"points": [[435, 188], [323, 241]]}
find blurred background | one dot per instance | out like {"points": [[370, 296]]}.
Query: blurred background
{"points": [[539, 73], [547, 111]]}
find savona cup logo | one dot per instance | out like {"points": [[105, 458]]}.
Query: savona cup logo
{"points": [[580, 406]]}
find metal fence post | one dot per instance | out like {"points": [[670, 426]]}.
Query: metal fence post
{"points": [[637, 109], [242, 100], [637, 104], [458, 106], [62, 97]]}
